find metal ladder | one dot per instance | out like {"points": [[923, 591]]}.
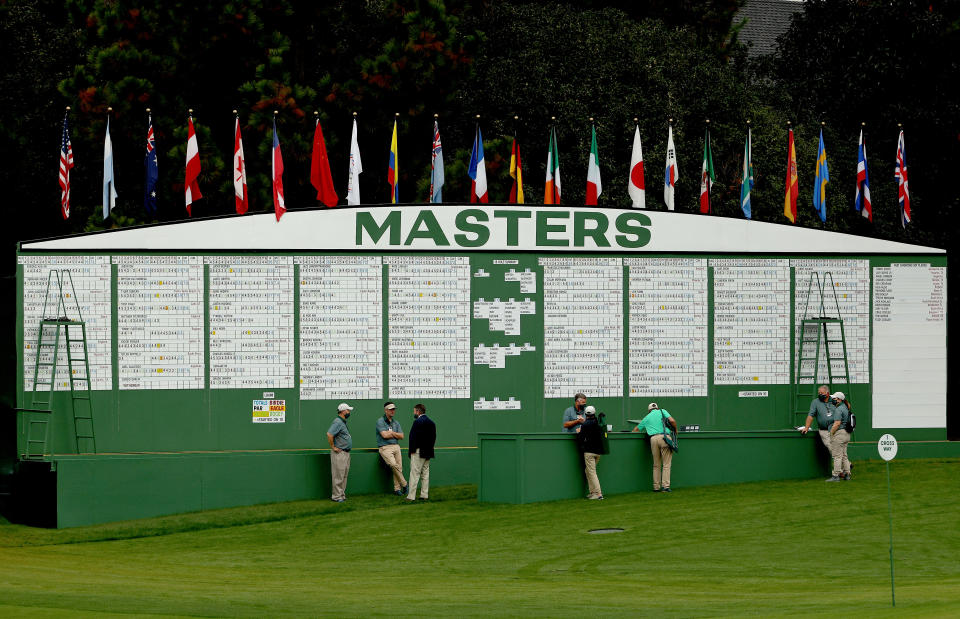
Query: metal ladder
{"points": [[52, 324], [816, 330]]}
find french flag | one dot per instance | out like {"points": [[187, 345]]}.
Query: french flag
{"points": [[478, 171]]}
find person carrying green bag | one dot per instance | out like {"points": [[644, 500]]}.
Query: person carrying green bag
{"points": [[663, 442]]}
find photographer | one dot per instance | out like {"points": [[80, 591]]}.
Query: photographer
{"points": [[590, 441]]}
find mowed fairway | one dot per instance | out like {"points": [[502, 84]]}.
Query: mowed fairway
{"points": [[775, 548]]}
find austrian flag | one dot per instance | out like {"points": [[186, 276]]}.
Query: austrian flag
{"points": [[191, 187]]}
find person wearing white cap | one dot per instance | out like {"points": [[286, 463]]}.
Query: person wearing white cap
{"points": [[389, 433], [340, 445], [654, 425], [590, 441], [840, 438]]}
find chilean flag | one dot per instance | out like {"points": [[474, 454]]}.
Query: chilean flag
{"points": [[478, 171], [278, 204], [862, 199]]}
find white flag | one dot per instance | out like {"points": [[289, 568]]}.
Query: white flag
{"points": [[637, 187], [109, 187], [670, 174], [356, 168]]}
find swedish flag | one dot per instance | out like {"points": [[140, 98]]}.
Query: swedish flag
{"points": [[820, 182]]}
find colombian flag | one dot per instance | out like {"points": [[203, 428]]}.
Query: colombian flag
{"points": [[392, 169]]}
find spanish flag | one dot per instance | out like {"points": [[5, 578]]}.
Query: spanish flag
{"points": [[790, 190]]}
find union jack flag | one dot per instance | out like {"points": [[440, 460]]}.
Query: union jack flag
{"points": [[66, 164], [900, 173]]}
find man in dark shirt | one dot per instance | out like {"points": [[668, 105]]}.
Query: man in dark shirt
{"points": [[590, 440], [423, 436]]}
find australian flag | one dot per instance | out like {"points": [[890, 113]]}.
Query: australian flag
{"points": [[151, 173]]}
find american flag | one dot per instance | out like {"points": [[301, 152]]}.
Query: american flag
{"points": [[900, 173], [66, 164]]}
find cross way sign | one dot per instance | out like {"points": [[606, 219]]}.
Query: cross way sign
{"points": [[887, 446]]}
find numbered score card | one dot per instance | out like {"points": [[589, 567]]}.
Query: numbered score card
{"points": [[269, 411]]}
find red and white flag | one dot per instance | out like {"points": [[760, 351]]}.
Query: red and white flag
{"points": [[66, 164], [320, 176], [278, 204], [239, 171], [637, 187], [192, 188]]}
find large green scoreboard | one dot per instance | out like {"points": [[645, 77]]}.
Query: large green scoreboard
{"points": [[243, 333]]}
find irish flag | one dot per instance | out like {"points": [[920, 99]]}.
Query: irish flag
{"points": [[551, 191], [594, 189]]}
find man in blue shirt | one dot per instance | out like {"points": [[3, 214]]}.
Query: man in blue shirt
{"points": [[652, 424], [825, 413], [340, 445], [573, 416], [389, 433]]}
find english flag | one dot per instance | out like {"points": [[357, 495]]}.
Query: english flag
{"points": [[478, 171], [239, 170], [670, 174], [594, 188], [900, 173], [278, 204], [66, 164], [320, 176], [356, 168], [862, 199], [637, 187], [109, 185], [191, 187], [551, 190]]}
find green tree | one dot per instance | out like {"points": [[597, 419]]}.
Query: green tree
{"points": [[881, 63]]}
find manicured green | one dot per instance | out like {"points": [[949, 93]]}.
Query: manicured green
{"points": [[746, 549]]}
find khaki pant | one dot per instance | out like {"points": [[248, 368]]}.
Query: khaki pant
{"points": [[590, 470], [391, 455], [838, 448], [339, 468], [826, 439], [419, 472], [662, 457]]}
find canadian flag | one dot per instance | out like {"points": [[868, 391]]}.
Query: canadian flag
{"points": [[239, 171], [193, 167]]}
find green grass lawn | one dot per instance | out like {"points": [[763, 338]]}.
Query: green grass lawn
{"points": [[772, 548]]}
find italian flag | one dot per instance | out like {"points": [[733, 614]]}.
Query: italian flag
{"points": [[551, 191], [594, 189]]}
